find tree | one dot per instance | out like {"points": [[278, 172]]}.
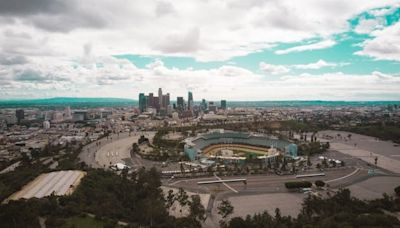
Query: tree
{"points": [[327, 145], [237, 222], [170, 199], [225, 209], [284, 164], [182, 198], [309, 161], [293, 168], [269, 165], [339, 210], [397, 190], [319, 183], [278, 215], [197, 210], [325, 163], [186, 222], [182, 168], [135, 148]]}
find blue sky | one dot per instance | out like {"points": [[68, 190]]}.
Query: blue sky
{"points": [[241, 50], [348, 43]]}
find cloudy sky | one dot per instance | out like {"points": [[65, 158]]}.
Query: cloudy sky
{"points": [[219, 49]]}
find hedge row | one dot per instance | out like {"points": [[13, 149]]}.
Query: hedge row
{"points": [[298, 184]]}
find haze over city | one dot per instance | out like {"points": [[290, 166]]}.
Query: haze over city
{"points": [[238, 50]]}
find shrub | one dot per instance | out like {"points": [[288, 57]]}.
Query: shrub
{"points": [[397, 190], [298, 184], [319, 183]]}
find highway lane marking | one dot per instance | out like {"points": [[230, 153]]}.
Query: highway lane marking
{"points": [[186, 180], [340, 178], [226, 185]]}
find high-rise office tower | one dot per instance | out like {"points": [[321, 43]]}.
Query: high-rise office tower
{"points": [[212, 107], [160, 98], [165, 101], [180, 103], [190, 100], [150, 101], [203, 105], [223, 104], [20, 114], [142, 102]]}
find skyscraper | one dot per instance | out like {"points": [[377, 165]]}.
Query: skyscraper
{"points": [[142, 102], [160, 98], [151, 101], [190, 100], [180, 103], [165, 101], [20, 114], [223, 104], [160, 103], [203, 105], [212, 107]]}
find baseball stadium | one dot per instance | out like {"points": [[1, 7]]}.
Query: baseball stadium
{"points": [[237, 146]]}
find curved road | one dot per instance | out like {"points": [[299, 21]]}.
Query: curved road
{"points": [[112, 149]]}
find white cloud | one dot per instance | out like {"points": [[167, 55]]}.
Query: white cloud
{"points": [[314, 46], [120, 78], [273, 69], [283, 69], [164, 8], [141, 26], [366, 26], [187, 42], [385, 44], [384, 11], [52, 48], [317, 65]]}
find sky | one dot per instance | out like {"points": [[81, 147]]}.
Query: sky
{"points": [[220, 49]]}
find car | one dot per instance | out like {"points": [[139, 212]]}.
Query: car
{"points": [[119, 166]]}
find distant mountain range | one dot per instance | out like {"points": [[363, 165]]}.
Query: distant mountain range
{"points": [[77, 102], [74, 102]]}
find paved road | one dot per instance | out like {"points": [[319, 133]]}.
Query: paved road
{"points": [[111, 150], [11, 167], [264, 183]]}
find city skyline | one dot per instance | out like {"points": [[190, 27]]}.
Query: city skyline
{"points": [[243, 51]]}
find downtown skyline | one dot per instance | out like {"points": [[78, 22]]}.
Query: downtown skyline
{"points": [[241, 50]]}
